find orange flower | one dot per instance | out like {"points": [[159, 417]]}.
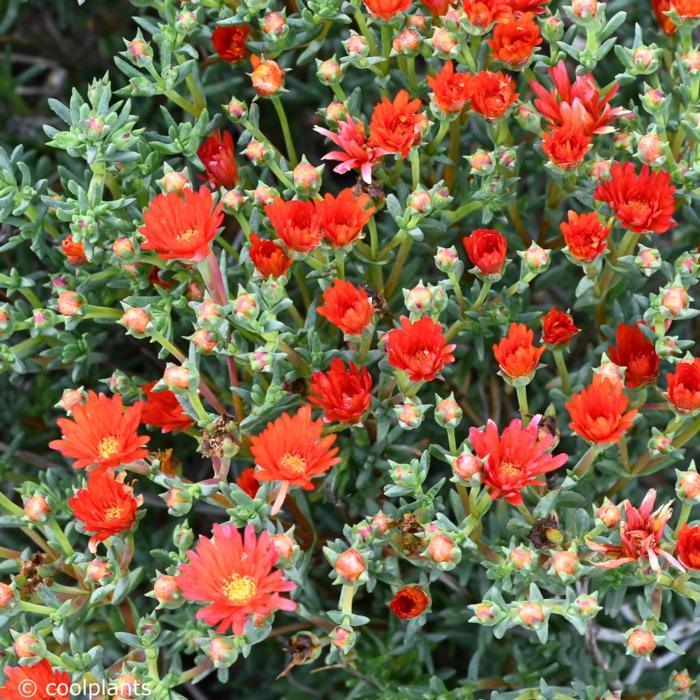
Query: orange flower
{"points": [[558, 327], [219, 159], [387, 9], [35, 679], [437, 8], [73, 250], [342, 218], [483, 13], [397, 126], [450, 89], [516, 354], [162, 410], [586, 238], [248, 482], [409, 602], [181, 227], [519, 6], [688, 546], [343, 393], [660, 8], [101, 433], [269, 259], [267, 77], [229, 42], [684, 386], [514, 39], [347, 307], [687, 9], [635, 352], [296, 223], [492, 94], [598, 412], [566, 146], [487, 250]]}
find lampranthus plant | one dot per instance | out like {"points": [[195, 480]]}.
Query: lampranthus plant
{"points": [[349, 352]]}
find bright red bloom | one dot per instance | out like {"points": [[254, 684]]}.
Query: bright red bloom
{"points": [[514, 39], [347, 307], [558, 327], [248, 481], [684, 386], [236, 577], [687, 9], [450, 89], [585, 236], [355, 153], [162, 410], [640, 536], [536, 6], [73, 250], [106, 506], [101, 433], [688, 546], [486, 249], [219, 159], [492, 94], [229, 42], [598, 412], [292, 450], [633, 351], [269, 259], [516, 354], [642, 203], [515, 458], [344, 394], [577, 104], [566, 146], [181, 226], [397, 126], [387, 9], [660, 7], [409, 602], [437, 8], [36, 677], [296, 223], [267, 76], [342, 218], [419, 349], [483, 13]]}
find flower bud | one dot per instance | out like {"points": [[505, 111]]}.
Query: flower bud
{"points": [[195, 291], [273, 24], [410, 414], [98, 569], [7, 596], [336, 112], [418, 298], [71, 398], [284, 546], [257, 152], [586, 606], [175, 181], [420, 201], [552, 29], [406, 42], [329, 72], [521, 557], [448, 412], [186, 21], [565, 565], [123, 247], [584, 9], [236, 109], [177, 377], [444, 42], [356, 45], [608, 514], [179, 501], [26, 645], [267, 77], [136, 319], [688, 485], [527, 118], [482, 162], [343, 638], [233, 201], [675, 301], [441, 549], [350, 565], [531, 614], [36, 508], [245, 307], [536, 258], [203, 340], [648, 260], [69, 303], [691, 61], [640, 642], [222, 652], [466, 466], [260, 360], [681, 680], [139, 49], [167, 590], [381, 522], [307, 179], [485, 612], [643, 57], [651, 148]]}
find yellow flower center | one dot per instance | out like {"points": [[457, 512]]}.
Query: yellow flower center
{"points": [[294, 464], [186, 235], [113, 513], [240, 589], [108, 447], [509, 469]]}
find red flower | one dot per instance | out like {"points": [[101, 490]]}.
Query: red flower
{"points": [[514, 39], [229, 42], [101, 433], [516, 354], [492, 94], [181, 226], [419, 349], [450, 90], [219, 159], [566, 146], [269, 259], [343, 393], [437, 8], [296, 223], [598, 412], [688, 546], [73, 250], [637, 354], [483, 13], [586, 238], [267, 76], [42, 682], [397, 126], [162, 410], [342, 218], [576, 104], [347, 307], [660, 8], [642, 203], [387, 9], [558, 327], [536, 6], [486, 249], [684, 386], [236, 577], [248, 481], [687, 9], [105, 507], [515, 458], [409, 602]]}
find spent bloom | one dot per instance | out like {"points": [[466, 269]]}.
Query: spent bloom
{"points": [[229, 42], [633, 351], [219, 159], [409, 602]]}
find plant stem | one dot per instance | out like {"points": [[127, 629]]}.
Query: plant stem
{"points": [[563, 371], [583, 465], [521, 391], [485, 287], [288, 142]]}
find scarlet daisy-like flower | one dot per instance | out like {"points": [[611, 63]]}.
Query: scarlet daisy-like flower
{"points": [[40, 679], [688, 546], [269, 259], [598, 412], [106, 506], [387, 9], [419, 349], [409, 602], [558, 327], [486, 249], [634, 351], [586, 238], [229, 42], [640, 536], [642, 203], [687, 10], [577, 104], [516, 355], [73, 250], [492, 94], [514, 459], [684, 386], [296, 223], [397, 126], [162, 410], [483, 13], [347, 307], [450, 89], [536, 6], [101, 433], [181, 226], [343, 393], [437, 8], [236, 577], [515, 39], [660, 8], [342, 218], [566, 146], [247, 481], [219, 159]]}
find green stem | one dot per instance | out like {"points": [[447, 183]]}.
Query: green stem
{"points": [[485, 288], [684, 515], [288, 142], [451, 439], [563, 371], [366, 32], [521, 391], [584, 464], [415, 167], [62, 539], [441, 133], [399, 263], [385, 31]]}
